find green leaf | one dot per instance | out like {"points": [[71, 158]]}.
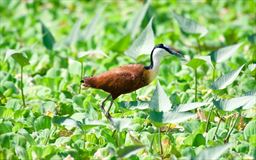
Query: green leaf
{"points": [[224, 53], [171, 117], [250, 129], [75, 33], [190, 106], [134, 24], [195, 63], [252, 38], [122, 123], [199, 140], [42, 122], [133, 105], [5, 127], [225, 80], [213, 153], [127, 151], [234, 103], [143, 44], [90, 29], [160, 101], [74, 67], [190, 26], [252, 67], [48, 39], [18, 56]]}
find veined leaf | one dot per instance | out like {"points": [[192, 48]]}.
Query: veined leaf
{"points": [[18, 56], [250, 129], [134, 24], [127, 151], [224, 53], [160, 101], [143, 44], [122, 123], [213, 153], [90, 29], [170, 117], [225, 80], [48, 39], [190, 106], [207, 59], [190, 26], [75, 33], [234, 103]]}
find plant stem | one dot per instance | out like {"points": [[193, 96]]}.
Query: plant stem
{"points": [[214, 72], [208, 120], [198, 45], [21, 87], [196, 85], [233, 126], [160, 142], [215, 134], [81, 76]]}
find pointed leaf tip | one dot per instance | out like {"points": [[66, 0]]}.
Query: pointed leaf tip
{"points": [[144, 43], [190, 26], [225, 80], [224, 53], [48, 39], [160, 101]]}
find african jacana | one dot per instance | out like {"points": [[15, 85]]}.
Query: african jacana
{"points": [[128, 78]]}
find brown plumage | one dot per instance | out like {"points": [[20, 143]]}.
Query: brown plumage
{"points": [[121, 80], [128, 78]]}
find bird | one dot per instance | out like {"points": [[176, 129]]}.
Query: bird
{"points": [[128, 78]]}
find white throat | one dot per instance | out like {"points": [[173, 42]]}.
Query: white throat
{"points": [[156, 58]]}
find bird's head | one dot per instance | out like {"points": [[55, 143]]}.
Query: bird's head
{"points": [[163, 49]]}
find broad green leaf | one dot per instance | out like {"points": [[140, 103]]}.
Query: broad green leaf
{"points": [[190, 106], [5, 127], [190, 26], [250, 129], [133, 105], [224, 53], [75, 33], [234, 103], [171, 117], [195, 63], [207, 59], [74, 67], [213, 153], [42, 122], [225, 80], [252, 38], [122, 123], [143, 44], [68, 123], [21, 152], [90, 29], [127, 151], [18, 56], [122, 44], [48, 39], [160, 101], [134, 24], [92, 54], [252, 67]]}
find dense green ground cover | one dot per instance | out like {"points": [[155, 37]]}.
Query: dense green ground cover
{"points": [[201, 108]]}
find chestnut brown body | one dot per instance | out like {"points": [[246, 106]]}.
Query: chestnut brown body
{"points": [[121, 80]]}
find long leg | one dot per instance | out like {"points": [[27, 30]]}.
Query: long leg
{"points": [[102, 104], [107, 113]]}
